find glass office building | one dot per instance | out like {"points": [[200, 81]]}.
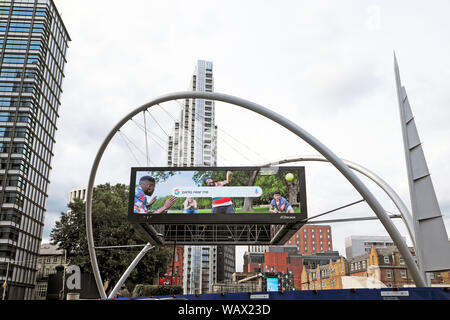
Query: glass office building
{"points": [[33, 42]]}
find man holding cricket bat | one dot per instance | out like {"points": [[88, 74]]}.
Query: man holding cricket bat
{"points": [[220, 204]]}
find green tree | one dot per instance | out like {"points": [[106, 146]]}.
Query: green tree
{"points": [[110, 228]]}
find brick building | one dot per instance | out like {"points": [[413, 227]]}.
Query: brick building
{"points": [[388, 266], [311, 239], [253, 261], [286, 260], [176, 266], [383, 264], [325, 277]]}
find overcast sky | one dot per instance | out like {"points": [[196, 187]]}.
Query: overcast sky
{"points": [[326, 65]]}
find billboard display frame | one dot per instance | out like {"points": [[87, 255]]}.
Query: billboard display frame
{"points": [[221, 218]]}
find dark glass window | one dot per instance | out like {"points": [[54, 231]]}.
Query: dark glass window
{"points": [[10, 215], [13, 197]]}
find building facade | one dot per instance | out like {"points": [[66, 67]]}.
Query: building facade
{"points": [[194, 143], [194, 138], [241, 282], [325, 277], [287, 259], [253, 262], [311, 239], [49, 258], [258, 249], [385, 265], [174, 270], [359, 245], [33, 42], [78, 193]]}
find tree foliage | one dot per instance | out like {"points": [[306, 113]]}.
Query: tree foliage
{"points": [[110, 228]]}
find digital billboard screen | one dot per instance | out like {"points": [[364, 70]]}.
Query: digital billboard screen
{"points": [[272, 284], [218, 194]]}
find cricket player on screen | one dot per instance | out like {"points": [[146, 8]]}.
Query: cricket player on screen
{"points": [[146, 188], [220, 204]]}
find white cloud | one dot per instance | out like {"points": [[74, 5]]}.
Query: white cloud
{"points": [[328, 67]]}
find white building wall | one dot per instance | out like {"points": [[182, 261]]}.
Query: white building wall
{"points": [[359, 245]]}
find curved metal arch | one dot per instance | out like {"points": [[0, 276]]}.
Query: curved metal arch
{"points": [[308, 138], [404, 212]]}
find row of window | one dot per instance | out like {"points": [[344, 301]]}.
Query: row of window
{"points": [[18, 132], [7, 116], [10, 215], [18, 73], [19, 148], [7, 251], [23, 11], [21, 44], [14, 181], [49, 259], [403, 274], [13, 198], [360, 265], [19, 58], [22, 27], [16, 102], [14, 164], [16, 87], [9, 233]]}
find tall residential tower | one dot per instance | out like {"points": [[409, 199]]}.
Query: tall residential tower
{"points": [[33, 42], [194, 144], [194, 140]]}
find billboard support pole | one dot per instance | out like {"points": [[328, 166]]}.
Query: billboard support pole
{"points": [[284, 122], [133, 265]]}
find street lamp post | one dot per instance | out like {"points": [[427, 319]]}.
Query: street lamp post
{"points": [[6, 281], [63, 290]]}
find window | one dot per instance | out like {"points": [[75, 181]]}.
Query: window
{"points": [[403, 274], [388, 274], [401, 260], [386, 259], [42, 290], [11, 197]]}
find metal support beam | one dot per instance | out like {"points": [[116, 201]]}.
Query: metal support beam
{"points": [[286, 123], [124, 277], [394, 216], [406, 215], [334, 210]]}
